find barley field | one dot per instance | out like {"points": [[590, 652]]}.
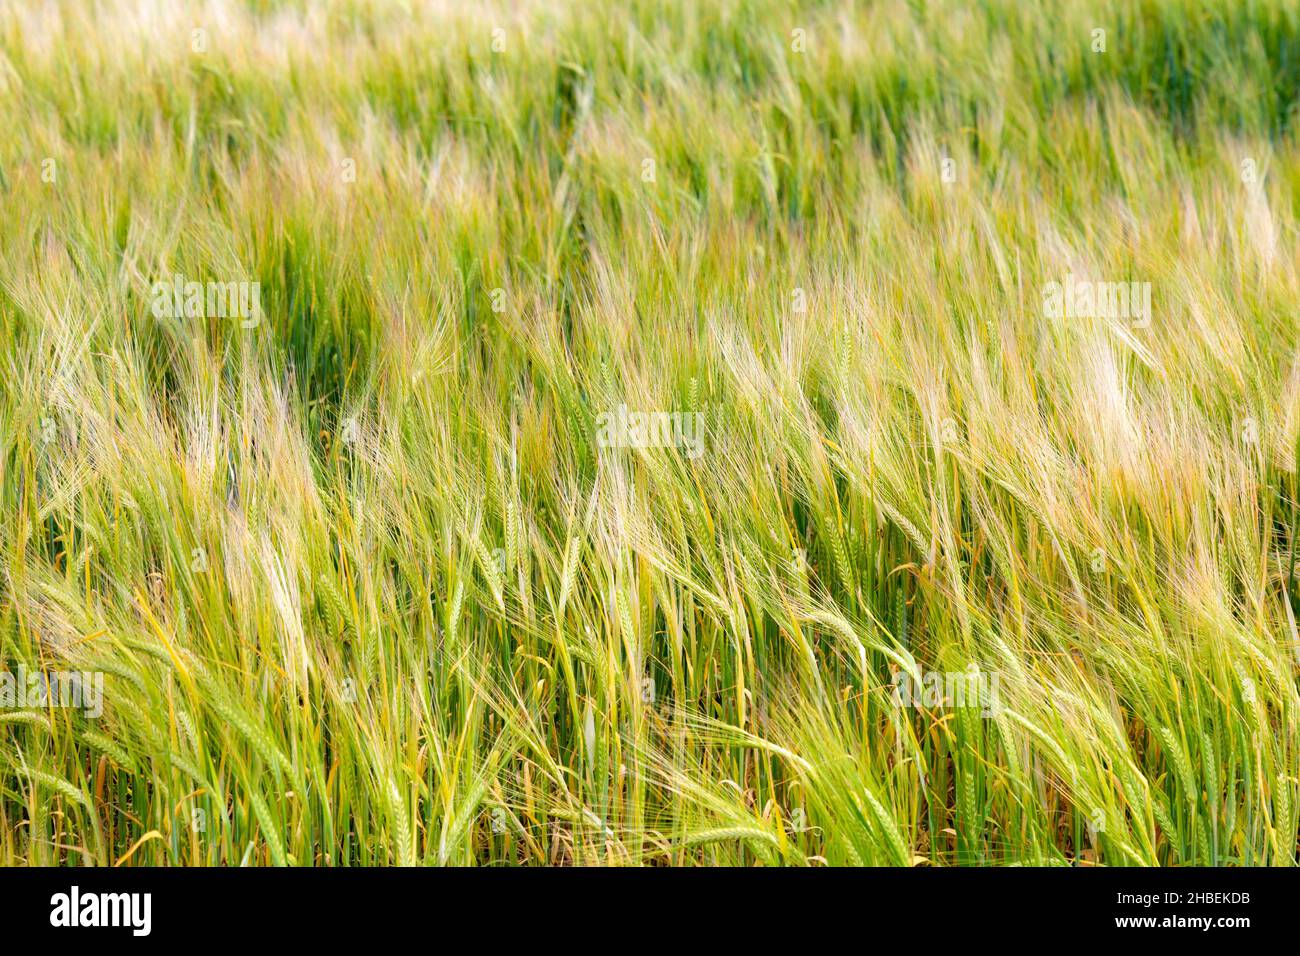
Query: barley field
{"points": [[664, 432]]}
